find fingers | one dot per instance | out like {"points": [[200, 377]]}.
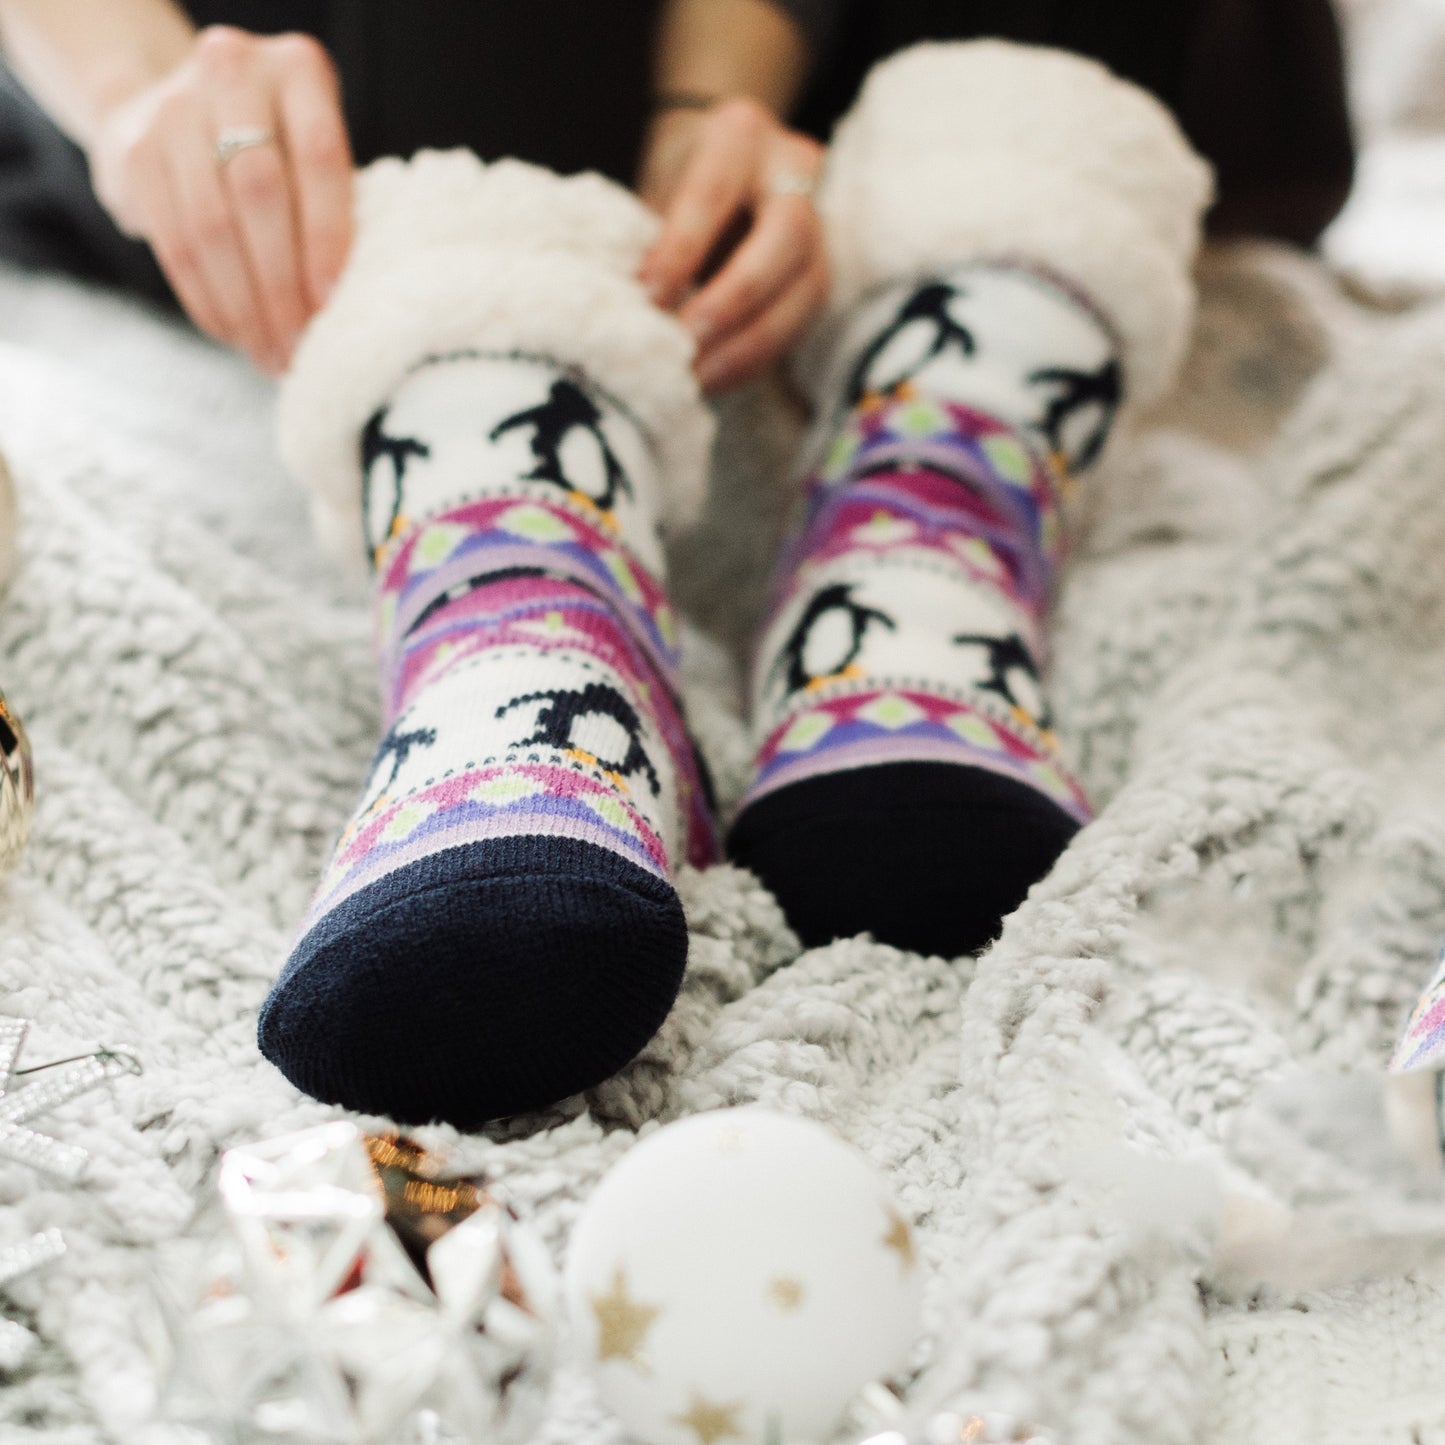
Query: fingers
{"points": [[714, 188], [314, 139], [251, 244], [257, 187], [212, 244], [155, 195], [713, 178], [259, 194], [173, 198], [781, 244], [756, 345]]}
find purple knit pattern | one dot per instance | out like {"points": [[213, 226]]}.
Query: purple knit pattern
{"points": [[504, 587], [932, 487]]}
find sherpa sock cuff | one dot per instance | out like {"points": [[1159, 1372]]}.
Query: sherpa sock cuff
{"points": [[991, 151], [452, 254]]}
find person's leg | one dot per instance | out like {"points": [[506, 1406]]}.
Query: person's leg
{"points": [[1012, 231], [490, 408]]}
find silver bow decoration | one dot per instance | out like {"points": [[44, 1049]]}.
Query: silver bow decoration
{"points": [[17, 1344], [309, 1311], [23, 1097]]}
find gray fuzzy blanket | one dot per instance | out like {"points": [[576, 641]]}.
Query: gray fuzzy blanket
{"points": [[1249, 672]]}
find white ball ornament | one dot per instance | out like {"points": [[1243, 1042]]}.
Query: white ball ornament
{"points": [[740, 1276]]}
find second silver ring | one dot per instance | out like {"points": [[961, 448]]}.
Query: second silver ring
{"points": [[793, 183], [236, 138]]}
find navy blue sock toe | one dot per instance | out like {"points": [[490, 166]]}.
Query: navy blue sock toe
{"points": [[930, 857], [483, 981]]}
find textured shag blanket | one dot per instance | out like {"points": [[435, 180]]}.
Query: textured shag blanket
{"points": [[1249, 671]]}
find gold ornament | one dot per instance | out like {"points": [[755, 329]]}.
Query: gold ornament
{"points": [[8, 525], [17, 787]]}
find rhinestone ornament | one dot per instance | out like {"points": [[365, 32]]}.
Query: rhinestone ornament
{"points": [[17, 787], [17, 1344], [23, 1098], [350, 1293]]}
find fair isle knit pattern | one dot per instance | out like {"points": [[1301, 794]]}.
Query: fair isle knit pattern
{"points": [[957, 515], [1422, 1043], [906, 752], [527, 660]]}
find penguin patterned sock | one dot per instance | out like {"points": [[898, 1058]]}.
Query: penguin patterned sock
{"points": [[908, 781], [497, 929], [897, 692]]}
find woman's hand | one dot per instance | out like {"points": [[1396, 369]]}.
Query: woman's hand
{"points": [[251, 244], [732, 186]]}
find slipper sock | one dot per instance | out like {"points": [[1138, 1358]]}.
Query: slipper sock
{"points": [[998, 289], [498, 929], [908, 780]]}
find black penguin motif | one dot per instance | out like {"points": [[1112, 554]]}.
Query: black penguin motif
{"points": [[926, 308], [398, 747], [837, 598], [377, 443], [1075, 390], [568, 706], [568, 408], [1006, 656]]}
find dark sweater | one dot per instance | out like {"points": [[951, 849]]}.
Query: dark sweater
{"points": [[1257, 85]]}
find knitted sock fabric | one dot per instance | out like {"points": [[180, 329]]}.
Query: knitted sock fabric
{"points": [[497, 929], [908, 780]]}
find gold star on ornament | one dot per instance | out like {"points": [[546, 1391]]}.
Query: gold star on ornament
{"points": [[900, 1238], [710, 1423], [622, 1322], [787, 1294], [729, 1140]]}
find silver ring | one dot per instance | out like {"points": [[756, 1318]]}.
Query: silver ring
{"points": [[236, 138], [793, 183]]}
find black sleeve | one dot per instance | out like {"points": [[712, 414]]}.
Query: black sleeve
{"points": [[1258, 85], [1263, 97], [818, 20]]}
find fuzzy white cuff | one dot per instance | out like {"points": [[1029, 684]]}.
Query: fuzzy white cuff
{"points": [[990, 151], [452, 254]]}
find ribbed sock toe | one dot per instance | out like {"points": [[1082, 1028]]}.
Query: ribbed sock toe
{"points": [[479, 982], [929, 857]]}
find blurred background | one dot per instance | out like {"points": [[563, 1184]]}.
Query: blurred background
{"points": [[1390, 240], [569, 82]]}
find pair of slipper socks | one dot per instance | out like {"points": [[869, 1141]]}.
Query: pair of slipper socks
{"points": [[498, 928]]}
